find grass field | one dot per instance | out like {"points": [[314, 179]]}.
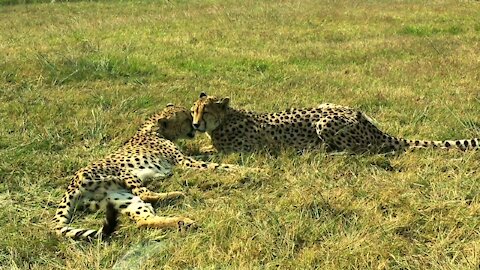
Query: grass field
{"points": [[78, 78]]}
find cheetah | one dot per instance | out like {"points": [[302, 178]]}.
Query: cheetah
{"points": [[115, 183], [335, 127]]}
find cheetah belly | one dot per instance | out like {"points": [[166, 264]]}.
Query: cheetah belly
{"points": [[157, 170], [94, 197]]}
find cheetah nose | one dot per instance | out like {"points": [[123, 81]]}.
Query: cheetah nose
{"points": [[196, 125]]}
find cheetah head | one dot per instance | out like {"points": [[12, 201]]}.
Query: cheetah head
{"points": [[208, 112], [174, 122]]}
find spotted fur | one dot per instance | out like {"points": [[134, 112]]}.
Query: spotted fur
{"points": [[337, 128], [117, 181]]}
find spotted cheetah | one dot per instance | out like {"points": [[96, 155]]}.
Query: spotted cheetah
{"points": [[116, 182], [337, 128]]}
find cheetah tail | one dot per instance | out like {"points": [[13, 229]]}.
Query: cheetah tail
{"points": [[463, 145], [64, 213], [111, 220]]}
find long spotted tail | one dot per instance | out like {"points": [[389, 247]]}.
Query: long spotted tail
{"points": [[64, 214], [463, 145], [404, 144]]}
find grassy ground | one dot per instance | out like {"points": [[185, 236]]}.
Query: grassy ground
{"points": [[77, 79]]}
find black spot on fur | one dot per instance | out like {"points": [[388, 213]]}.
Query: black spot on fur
{"points": [[447, 144]]}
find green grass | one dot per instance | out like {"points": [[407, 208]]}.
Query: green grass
{"points": [[78, 78], [429, 31]]}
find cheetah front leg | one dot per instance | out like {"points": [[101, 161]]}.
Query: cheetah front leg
{"points": [[169, 195], [208, 150], [191, 163], [135, 185], [150, 196], [143, 214]]}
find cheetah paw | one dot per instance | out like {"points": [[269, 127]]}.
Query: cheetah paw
{"points": [[186, 224]]}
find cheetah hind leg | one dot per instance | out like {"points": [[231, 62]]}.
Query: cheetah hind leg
{"points": [[155, 197], [134, 184], [144, 215], [181, 223]]}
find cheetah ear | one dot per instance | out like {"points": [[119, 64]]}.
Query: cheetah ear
{"points": [[170, 105], [224, 102], [203, 94]]}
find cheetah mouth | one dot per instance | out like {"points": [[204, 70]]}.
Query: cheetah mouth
{"points": [[199, 128]]}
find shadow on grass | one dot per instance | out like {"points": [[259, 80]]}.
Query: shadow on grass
{"points": [[138, 255]]}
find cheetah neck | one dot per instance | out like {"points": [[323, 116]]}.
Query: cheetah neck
{"points": [[146, 131], [234, 115]]}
